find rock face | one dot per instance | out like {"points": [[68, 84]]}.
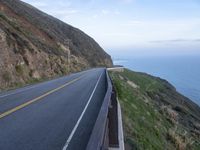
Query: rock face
{"points": [[34, 45]]}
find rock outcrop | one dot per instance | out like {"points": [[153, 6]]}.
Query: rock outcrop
{"points": [[34, 45]]}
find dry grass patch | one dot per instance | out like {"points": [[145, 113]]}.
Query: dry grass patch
{"points": [[181, 141]]}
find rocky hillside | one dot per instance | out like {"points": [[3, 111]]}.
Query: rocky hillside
{"points": [[155, 115], [34, 45]]}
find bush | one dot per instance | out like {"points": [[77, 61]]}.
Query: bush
{"points": [[181, 142], [19, 69], [6, 76], [118, 88]]}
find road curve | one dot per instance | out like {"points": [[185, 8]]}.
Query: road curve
{"points": [[53, 115]]}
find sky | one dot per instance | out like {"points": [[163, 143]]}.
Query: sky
{"points": [[133, 27]]}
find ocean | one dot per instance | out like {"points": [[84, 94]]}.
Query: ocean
{"points": [[183, 72]]}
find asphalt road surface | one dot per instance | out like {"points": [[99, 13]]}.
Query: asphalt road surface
{"points": [[53, 115]]}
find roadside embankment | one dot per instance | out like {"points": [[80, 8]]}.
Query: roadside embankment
{"points": [[155, 115]]}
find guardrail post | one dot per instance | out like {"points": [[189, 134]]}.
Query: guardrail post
{"points": [[113, 121]]}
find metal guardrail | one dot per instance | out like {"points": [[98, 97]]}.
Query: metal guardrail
{"points": [[99, 139]]}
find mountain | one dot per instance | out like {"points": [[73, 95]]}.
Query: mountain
{"points": [[35, 45], [155, 116]]}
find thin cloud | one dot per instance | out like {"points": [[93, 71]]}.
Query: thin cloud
{"points": [[39, 4], [175, 41], [60, 9], [65, 12], [131, 23], [95, 16], [127, 1], [128, 22], [105, 12], [64, 3], [47, 4], [197, 40], [116, 12]]}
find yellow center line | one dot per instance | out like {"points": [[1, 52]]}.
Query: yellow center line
{"points": [[36, 99]]}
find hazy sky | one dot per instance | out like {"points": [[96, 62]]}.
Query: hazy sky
{"points": [[133, 26]]}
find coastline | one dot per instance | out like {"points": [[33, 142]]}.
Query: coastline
{"points": [[151, 107], [182, 73]]}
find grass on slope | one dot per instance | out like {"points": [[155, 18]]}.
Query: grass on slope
{"points": [[145, 125]]}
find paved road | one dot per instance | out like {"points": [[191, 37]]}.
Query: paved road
{"points": [[54, 115]]}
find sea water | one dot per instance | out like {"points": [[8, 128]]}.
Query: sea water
{"points": [[181, 71]]}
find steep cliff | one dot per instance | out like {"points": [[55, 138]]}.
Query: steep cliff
{"points": [[155, 115], [34, 45]]}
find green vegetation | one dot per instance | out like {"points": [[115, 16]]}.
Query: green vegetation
{"points": [[20, 84], [19, 69], [148, 125], [2, 15], [43, 44], [6, 76]]}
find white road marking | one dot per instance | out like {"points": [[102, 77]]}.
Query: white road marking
{"points": [[34, 86], [79, 120], [22, 90], [8, 112]]}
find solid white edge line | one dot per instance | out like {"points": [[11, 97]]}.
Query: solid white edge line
{"points": [[81, 116], [24, 89], [20, 91]]}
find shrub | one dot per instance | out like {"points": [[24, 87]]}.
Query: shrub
{"points": [[19, 69], [181, 142], [118, 88], [6, 76]]}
